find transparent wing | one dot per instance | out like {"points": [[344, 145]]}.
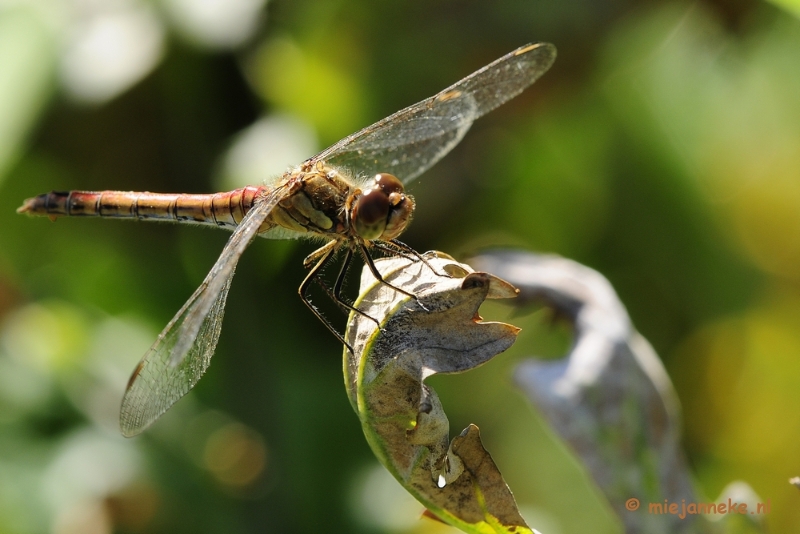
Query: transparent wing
{"points": [[183, 350], [413, 139]]}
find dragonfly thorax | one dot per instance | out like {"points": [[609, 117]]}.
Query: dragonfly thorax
{"points": [[383, 211]]}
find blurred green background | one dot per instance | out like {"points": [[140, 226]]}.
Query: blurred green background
{"points": [[663, 149]]}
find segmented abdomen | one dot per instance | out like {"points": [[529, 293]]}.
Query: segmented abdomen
{"points": [[218, 209]]}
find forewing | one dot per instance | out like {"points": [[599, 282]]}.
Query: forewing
{"points": [[183, 350], [413, 139]]}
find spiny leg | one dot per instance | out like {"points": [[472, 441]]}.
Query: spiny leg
{"points": [[337, 288], [314, 257], [377, 274], [397, 248], [303, 290], [336, 294], [408, 250], [389, 250]]}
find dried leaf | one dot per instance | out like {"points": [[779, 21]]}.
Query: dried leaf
{"points": [[402, 418], [610, 398]]}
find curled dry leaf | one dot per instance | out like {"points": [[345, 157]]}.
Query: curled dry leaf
{"points": [[402, 418], [610, 397]]}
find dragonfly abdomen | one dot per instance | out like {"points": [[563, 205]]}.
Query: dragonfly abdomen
{"points": [[218, 209]]}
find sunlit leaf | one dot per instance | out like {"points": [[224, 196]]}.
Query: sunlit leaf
{"points": [[402, 418]]}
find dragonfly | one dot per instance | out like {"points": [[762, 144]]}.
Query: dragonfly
{"points": [[351, 195]]}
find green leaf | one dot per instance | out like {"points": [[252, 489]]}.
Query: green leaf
{"points": [[403, 420]]}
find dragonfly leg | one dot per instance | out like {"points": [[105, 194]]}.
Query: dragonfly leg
{"points": [[337, 288], [377, 274], [389, 250], [314, 257], [336, 294], [326, 255], [408, 250]]}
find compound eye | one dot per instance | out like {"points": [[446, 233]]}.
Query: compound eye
{"points": [[373, 207], [388, 183]]}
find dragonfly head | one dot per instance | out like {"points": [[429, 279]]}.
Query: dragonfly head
{"points": [[383, 211]]}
